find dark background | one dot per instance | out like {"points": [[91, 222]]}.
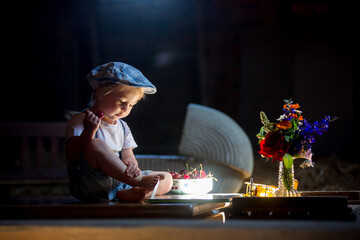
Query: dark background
{"points": [[240, 57]]}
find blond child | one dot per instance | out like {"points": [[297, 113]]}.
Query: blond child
{"points": [[99, 144]]}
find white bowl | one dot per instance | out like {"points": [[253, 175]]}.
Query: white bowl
{"points": [[192, 186]]}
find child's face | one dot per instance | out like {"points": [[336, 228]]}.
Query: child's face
{"points": [[116, 105]]}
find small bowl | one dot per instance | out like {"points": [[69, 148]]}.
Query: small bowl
{"points": [[192, 186]]}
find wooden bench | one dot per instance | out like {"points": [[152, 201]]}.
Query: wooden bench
{"points": [[40, 147]]}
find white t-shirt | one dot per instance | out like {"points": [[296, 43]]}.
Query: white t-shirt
{"points": [[112, 134]]}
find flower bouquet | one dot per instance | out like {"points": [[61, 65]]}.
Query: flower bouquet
{"points": [[289, 138], [192, 181]]}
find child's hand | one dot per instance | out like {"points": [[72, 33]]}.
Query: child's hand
{"points": [[91, 121], [132, 169]]}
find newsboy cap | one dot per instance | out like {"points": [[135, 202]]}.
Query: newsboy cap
{"points": [[118, 72]]}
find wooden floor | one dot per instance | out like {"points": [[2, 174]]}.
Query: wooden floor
{"points": [[177, 229]]}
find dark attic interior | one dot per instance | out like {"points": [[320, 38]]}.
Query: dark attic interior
{"points": [[237, 57]]}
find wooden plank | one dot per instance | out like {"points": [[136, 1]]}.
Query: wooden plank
{"points": [[33, 129], [290, 202], [32, 177], [351, 195], [200, 209], [54, 151], [345, 214], [25, 153], [330, 208], [35, 181], [39, 152], [174, 229], [107, 210]]}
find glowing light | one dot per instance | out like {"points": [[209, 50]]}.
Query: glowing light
{"points": [[260, 190]]}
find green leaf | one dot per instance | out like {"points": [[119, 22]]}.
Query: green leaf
{"points": [[260, 135], [287, 138], [288, 160], [262, 131], [265, 121]]}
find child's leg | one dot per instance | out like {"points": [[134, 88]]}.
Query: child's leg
{"points": [[164, 185], [101, 157]]}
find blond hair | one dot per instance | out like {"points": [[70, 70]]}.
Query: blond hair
{"points": [[109, 87]]}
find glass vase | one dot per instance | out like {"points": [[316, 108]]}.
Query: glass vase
{"points": [[286, 182]]}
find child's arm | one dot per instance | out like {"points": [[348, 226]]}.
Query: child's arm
{"points": [[76, 145], [130, 161]]}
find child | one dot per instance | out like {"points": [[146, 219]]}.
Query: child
{"points": [[101, 162]]}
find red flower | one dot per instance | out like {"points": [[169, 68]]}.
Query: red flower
{"points": [[274, 146]]}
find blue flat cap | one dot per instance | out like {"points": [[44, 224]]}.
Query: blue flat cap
{"points": [[118, 72]]}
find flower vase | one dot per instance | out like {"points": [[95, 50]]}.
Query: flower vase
{"points": [[286, 182]]}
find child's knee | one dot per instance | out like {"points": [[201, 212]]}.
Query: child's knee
{"points": [[166, 183], [168, 176], [168, 180]]}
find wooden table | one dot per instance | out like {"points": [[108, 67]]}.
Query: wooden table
{"points": [[70, 208]]}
